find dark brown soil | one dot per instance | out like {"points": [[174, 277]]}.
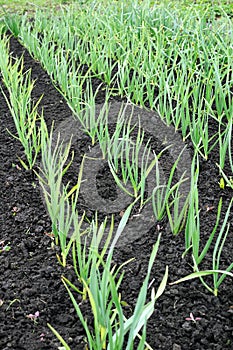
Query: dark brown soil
{"points": [[30, 274]]}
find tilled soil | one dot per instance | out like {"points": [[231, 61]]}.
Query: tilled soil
{"points": [[31, 275]]}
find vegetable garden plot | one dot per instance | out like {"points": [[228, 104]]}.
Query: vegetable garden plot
{"points": [[169, 327]]}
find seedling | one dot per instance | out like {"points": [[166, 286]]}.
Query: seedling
{"points": [[12, 302], [4, 247], [192, 318], [33, 317]]}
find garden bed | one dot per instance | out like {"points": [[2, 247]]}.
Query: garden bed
{"points": [[31, 275]]}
